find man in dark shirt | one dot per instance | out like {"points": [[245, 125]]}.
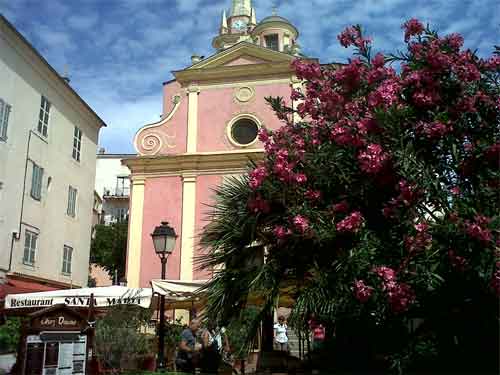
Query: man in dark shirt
{"points": [[188, 350]]}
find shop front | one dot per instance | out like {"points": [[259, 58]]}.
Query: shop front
{"points": [[54, 342]]}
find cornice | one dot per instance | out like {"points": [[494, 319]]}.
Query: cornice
{"points": [[275, 25], [230, 72], [240, 49], [193, 163]]}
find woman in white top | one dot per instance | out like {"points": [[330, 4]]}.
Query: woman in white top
{"points": [[280, 334]]}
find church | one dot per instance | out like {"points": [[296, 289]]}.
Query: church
{"points": [[212, 112]]}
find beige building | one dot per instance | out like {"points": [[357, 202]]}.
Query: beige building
{"points": [[112, 183], [48, 144]]}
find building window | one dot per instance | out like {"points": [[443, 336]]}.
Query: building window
{"points": [[67, 255], [121, 214], [30, 242], [36, 182], [4, 119], [244, 131], [77, 143], [43, 117], [272, 41], [122, 186], [72, 193]]}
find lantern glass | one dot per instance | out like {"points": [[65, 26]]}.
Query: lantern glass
{"points": [[164, 239]]}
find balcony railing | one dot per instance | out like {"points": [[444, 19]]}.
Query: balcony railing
{"points": [[122, 191]]}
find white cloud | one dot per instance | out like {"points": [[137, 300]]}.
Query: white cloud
{"points": [[83, 22], [120, 52]]}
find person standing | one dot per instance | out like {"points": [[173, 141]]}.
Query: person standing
{"points": [[188, 352], [280, 334], [215, 342]]}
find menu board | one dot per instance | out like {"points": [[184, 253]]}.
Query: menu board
{"points": [[65, 358], [79, 352]]}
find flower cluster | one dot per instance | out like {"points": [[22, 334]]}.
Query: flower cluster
{"points": [[352, 223], [412, 27], [421, 241], [376, 147], [258, 204], [351, 36], [373, 159], [362, 292], [457, 262], [257, 176], [400, 295], [479, 229], [281, 232], [301, 224]]}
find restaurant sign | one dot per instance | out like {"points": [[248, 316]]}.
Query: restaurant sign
{"points": [[137, 297]]}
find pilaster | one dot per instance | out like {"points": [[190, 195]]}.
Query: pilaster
{"points": [[192, 128], [188, 225], [135, 232]]}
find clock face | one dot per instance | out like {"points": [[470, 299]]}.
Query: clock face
{"points": [[239, 24]]}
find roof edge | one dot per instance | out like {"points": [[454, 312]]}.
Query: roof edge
{"points": [[57, 76]]}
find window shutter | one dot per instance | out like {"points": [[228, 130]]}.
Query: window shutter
{"points": [[5, 123], [34, 179]]}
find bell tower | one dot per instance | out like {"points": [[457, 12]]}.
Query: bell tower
{"points": [[238, 26], [241, 8]]}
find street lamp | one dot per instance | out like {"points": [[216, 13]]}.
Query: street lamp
{"points": [[164, 242]]}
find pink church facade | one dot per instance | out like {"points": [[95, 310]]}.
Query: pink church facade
{"points": [[212, 111]]}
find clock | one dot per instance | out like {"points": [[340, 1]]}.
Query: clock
{"points": [[240, 25]]}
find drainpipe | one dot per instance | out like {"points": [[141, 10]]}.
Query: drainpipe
{"points": [[18, 235]]}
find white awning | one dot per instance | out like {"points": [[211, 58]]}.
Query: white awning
{"points": [[107, 296], [178, 290]]}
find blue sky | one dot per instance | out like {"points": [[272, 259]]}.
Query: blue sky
{"points": [[118, 52]]}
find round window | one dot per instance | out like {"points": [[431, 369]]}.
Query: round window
{"points": [[244, 131]]}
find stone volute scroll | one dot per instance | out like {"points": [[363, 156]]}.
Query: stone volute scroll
{"points": [[150, 139]]}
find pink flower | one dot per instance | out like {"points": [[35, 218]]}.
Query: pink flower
{"points": [[409, 193], [385, 95], [386, 273], [400, 296], [434, 130], [482, 220], [263, 135], [379, 60], [257, 176], [306, 70], [313, 195], [457, 261], [281, 232], [474, 230], [420, 241], [351, 36], [258, 204], [351, 223], [340, 207], [454, 41], [455, 190], [300, 178], [425, 98], [362, 292], [301, 223], [412, 27], [421, 227], [478, 229], [373, 159]]}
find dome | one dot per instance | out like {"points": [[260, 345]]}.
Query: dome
{"points": [[275, 18]]}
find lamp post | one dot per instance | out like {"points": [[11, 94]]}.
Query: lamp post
{"points": [[164, 242]]}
